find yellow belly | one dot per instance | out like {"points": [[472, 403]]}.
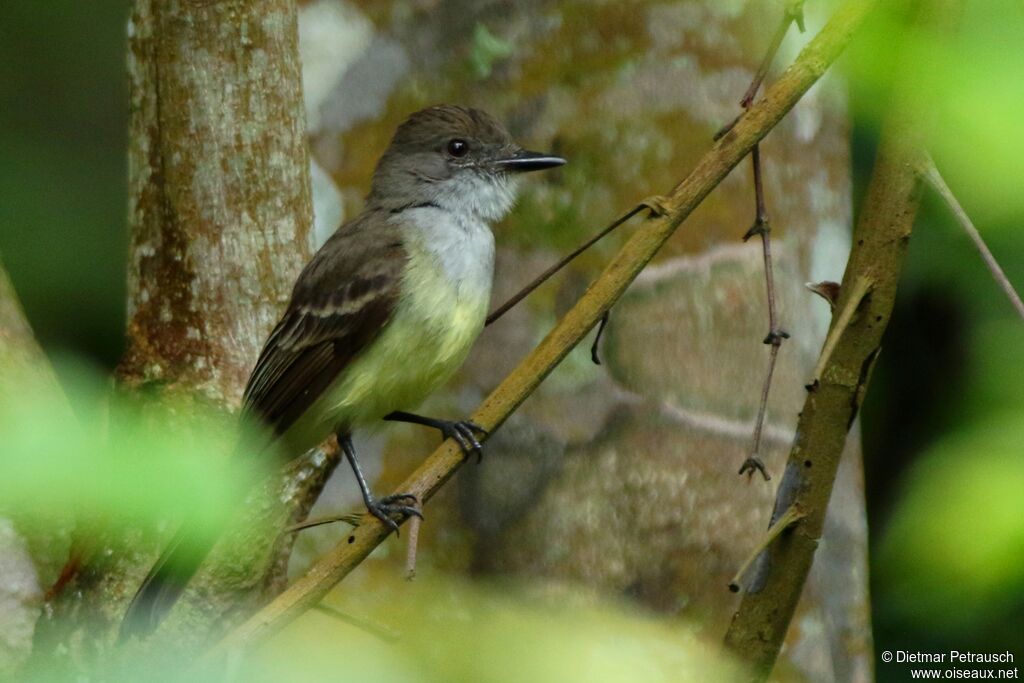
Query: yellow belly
{"points": [[427, 339]]}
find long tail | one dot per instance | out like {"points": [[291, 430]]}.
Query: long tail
{"points": [[166, 580]]}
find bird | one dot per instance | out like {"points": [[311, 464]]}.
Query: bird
{"points": [[381, 316]]}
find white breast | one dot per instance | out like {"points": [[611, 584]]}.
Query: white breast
{"points": [[461, 246]]}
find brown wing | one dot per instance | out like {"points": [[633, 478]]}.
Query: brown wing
{"points": [[341, 301]]}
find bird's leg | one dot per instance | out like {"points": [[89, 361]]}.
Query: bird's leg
{"points": [[462, 431], [385, 507]]}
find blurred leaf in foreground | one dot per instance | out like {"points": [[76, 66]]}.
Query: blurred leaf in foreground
{"points": [[953, 557], [449, 631], [973, 74], [120, 459]]}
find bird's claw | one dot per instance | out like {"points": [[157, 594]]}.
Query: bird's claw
{"points": [[464, 433], [387, 506]]}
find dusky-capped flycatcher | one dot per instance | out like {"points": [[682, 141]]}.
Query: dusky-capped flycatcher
{"points": [[383, 314]]}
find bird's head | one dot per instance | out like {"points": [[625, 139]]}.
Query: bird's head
{"points": [[460, 159]]}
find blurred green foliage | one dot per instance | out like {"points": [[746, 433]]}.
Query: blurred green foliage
{"points": [[451, 631], [944, 419], [951, 559], [98, 455]]}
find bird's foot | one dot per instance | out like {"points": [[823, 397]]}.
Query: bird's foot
{"points": [[397, 504], [464, 433]]}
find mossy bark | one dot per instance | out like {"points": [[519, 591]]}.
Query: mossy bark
{"points": [[220, 213]]}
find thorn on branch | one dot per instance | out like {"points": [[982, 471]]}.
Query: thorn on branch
{"points": [[759, 228], [861, 287], [827, 290], [791, 516]]}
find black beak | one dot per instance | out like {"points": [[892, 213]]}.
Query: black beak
{"points": [[523, 161]]}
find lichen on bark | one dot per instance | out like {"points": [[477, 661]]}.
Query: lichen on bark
{"points": [[220, 214]]}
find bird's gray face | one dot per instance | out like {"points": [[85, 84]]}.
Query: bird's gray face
{"points": [[459, 159]]}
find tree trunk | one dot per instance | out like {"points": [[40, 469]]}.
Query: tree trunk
{"points": [[221, 223]]}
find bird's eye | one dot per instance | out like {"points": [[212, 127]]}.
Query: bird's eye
{"points": [[458, 148]]}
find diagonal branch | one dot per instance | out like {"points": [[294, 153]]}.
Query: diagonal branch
{"points": [[762, 620], [712, 168], [931, 174]]}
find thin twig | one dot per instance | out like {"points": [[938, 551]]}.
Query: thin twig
{"points": [[351, 518], [624, 267], [412, 547], [790, 517], [382, 632], [753, 462], [762, 227], [793, 12], [564, 261], [775, 334], [931, 173], [769, 57]]}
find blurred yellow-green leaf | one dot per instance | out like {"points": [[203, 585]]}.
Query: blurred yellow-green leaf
{"points": [[122, 458], [974, 74], [451, 631]]}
